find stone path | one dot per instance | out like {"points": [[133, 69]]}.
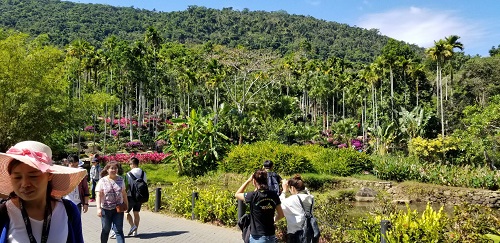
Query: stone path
{"points": [[156, 227]]}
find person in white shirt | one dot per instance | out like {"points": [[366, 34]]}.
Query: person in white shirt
{"points": [[292, 209], [132, 205], [80, 195]]}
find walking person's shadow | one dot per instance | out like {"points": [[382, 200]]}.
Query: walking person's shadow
{"points": [[160, 234]]}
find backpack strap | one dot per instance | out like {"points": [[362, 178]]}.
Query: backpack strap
{"points": [[4, 216], [132, 175], [142, 175], [69, 209], [301, 204]]}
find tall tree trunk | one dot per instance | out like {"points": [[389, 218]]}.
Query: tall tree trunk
{"points": [[343, 104], [392, 92], [130, 120]]}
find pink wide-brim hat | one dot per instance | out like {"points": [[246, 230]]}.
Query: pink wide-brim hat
{"points": [[39, 156]]}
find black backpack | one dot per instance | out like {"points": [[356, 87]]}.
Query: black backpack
{"points": [[139, 190], [310, 230], [273, 182]]}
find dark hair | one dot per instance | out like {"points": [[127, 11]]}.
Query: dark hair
{"points": [[104, 171], [268, 164], [260, 177], [13, 163], [297, 182], [73, 158], [134, 161]]}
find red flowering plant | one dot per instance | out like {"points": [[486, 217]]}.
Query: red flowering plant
{"points": [[145, 158]]}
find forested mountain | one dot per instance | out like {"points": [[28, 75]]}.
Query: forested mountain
{"points": [[66, 21]]}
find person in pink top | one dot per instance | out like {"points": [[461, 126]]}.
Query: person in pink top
{"points": [[110, 196]]}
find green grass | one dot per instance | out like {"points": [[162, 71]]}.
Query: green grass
{"points": [[160, 174]]}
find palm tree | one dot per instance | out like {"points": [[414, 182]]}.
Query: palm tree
{"points": [[452, 42], [153, 41], [440, 52]]}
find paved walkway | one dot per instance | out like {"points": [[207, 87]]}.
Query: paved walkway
{"points": [[156, 227]]}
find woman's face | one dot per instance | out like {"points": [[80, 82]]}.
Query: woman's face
{"points": [[29, 183], [112, 170]]}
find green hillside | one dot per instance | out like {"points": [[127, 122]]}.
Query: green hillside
{"points": [[67, 21]]}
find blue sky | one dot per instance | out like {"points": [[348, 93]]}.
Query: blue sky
{"points": [[416, 22]]}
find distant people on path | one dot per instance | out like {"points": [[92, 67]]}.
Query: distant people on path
{"points": [[65, 162], [111, 201], [34, 211], [273, 179], [95, 175], [264, 205], [80, 195], [292, 208], [135, 200]]}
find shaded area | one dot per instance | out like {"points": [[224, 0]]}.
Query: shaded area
{"points": [[160, 234]]}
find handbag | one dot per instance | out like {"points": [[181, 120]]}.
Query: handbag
{"points": [[121, 208], [245, 222]]}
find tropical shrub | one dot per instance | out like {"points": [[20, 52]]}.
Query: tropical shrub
{"points": [[434, 150], [471, 223], [317, 182], [411, 169], [406, 227], [249, 157], [214, 204], [342, 162], [396, 168]]}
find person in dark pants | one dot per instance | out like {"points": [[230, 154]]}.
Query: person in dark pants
{"points": [[95, 175]]}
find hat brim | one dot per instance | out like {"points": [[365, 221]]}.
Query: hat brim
{"points": [[64, 179]]}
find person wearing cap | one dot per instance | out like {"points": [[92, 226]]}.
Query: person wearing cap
{"points": [[35, 211], [95, 175], [80, 195]]}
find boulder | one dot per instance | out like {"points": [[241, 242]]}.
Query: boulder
{"points": [[366, 192]]}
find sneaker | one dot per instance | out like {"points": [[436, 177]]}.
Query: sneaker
{"points": [[133, 230], [113, 235], [92, 200], [135, 233]]}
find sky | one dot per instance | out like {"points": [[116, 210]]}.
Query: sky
{"points": [[419, 22]]}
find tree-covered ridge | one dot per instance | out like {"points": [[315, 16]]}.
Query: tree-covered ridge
{"points": [[66, 21]]}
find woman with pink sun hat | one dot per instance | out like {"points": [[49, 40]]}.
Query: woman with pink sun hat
{"points": [[34, 211]]}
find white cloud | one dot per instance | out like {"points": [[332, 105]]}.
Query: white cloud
{"points": [[423, 26]]}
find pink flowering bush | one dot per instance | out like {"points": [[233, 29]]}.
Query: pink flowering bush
{"points": [[144, 158], [114, 133], [89, 128], [134, 144]]}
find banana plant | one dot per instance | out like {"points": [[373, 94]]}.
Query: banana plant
{"points": [[412, 123], [194, 143], [384, 137]]}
